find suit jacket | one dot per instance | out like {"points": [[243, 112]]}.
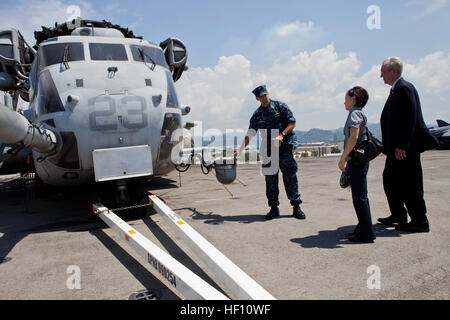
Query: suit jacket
{"points": [[402, 120]]}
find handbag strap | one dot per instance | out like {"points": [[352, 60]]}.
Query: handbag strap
{"points": [[368, 133]]}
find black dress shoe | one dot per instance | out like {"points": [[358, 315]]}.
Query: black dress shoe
{"points": [[298, 213], [389, 221], [273, 213], [354, 238], [413, 227]]}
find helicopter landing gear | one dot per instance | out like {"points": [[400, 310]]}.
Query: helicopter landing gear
{"points": [[127, 195]]}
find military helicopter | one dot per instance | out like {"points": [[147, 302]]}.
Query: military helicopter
{"points": [[102, 105]]}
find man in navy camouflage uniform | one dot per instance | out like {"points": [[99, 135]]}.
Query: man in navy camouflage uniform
{"points": [[269, 116]]}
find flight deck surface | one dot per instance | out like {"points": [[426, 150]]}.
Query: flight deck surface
{"points": [[292, 259]]}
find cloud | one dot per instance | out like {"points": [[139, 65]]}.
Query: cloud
{"points": [[431, 76], [312, 83], [428, 7], [321, 71], [293, 28], [34, 14], [29, 16], [434, 6], [309, 82], [284, 40], [311, 78], [432, 72], [373, 118], [217, 94]]}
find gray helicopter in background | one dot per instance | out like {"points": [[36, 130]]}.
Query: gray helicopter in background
{"points": [[102, 105], [442, 134]]}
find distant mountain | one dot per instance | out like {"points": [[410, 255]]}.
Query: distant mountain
{"points": [[313, 135], [337, 135]]}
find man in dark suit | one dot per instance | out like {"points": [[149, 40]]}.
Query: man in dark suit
{"points": [[401, 122]]}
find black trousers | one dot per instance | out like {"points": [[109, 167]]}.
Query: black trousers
{"points": [[403, 185], [289, 168], [358, 183]]}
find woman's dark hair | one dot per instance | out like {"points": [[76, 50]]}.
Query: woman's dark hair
{"points": [[361, 96]]}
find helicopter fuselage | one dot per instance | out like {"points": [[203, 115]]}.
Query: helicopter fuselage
{"points": [[98, 94]]}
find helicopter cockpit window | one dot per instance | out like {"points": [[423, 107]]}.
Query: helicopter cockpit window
{"points": [[108, 51], [49, 100], [59, 53], [148, 54], [6, 50]]}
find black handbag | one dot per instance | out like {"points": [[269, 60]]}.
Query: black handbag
{"points": [[366, 150], [344, 180]]}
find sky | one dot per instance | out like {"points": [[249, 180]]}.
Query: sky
{"points": [[308, 53]]}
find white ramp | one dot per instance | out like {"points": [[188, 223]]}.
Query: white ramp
{"points": [[177, 275], [237, 281]]}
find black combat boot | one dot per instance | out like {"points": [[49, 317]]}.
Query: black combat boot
{"points": [[298, 213], [273, 213]]}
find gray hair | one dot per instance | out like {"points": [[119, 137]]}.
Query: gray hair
{"points": [[394, 63]]}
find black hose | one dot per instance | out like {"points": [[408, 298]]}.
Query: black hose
{"points": [[208, 168], [181, 166]]}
